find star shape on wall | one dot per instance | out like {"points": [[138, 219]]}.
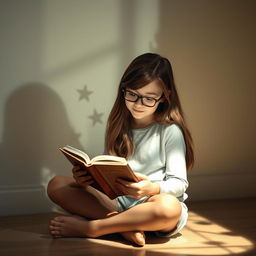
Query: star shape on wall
{"points": [[96, 117], [84, 93]]}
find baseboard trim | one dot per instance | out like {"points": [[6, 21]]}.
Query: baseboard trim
{"points": [[17, 200], [223, 186]]}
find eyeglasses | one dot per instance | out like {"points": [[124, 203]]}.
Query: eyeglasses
{"points": [[134, 97]]}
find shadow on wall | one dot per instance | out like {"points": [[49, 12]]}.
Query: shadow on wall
{"points": [[35, 125]]}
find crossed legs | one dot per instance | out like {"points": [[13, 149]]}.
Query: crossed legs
{"points": [[98, 215]]}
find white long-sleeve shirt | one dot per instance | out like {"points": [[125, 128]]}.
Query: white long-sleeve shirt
{"points": [[160, 154]]}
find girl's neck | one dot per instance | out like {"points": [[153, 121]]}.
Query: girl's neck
{"points": [[138, 124]]}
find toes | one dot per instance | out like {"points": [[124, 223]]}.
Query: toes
{"points": [[54, 228], [63, 226], [55, 233], [55, 223], [139, 238], [59, 219]]}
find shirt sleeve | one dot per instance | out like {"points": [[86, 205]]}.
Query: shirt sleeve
{"points": [[175, 180]]}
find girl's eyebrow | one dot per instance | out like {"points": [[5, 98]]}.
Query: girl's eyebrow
{"points": [[147, 93], [151, 93]]}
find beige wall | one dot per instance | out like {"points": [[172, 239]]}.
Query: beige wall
{"points": [[212, 45], [50, 49]]}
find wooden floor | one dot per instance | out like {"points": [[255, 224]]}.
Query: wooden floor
{"points": [[225, 227]]}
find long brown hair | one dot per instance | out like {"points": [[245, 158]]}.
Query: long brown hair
{"points": [[144, 69]]}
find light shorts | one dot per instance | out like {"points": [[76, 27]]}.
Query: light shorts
{"points": [[126, 202]]}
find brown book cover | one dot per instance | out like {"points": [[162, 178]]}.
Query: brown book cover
{"points": [[104, 169]]}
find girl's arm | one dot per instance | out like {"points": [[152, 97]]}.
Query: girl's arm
{"points": [[175, 177], [175, 181]]}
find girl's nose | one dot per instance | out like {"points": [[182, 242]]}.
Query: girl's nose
{"points": [[139, 102]]}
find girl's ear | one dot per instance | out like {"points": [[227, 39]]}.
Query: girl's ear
{"points": [[163, 99]]}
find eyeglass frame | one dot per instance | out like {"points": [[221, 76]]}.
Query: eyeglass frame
{"points": [[140, 97]]}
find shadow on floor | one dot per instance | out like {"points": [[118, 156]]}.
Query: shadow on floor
{"points": [[214, 228]]}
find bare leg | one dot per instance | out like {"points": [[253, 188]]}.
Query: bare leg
{"points": [[64, 192], [160, 212]]}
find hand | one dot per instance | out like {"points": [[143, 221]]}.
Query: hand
{"points": [[81, 176], [138, 189]]}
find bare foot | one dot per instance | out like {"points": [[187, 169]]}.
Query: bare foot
{"points": [[76, 226], [137, 237], [66, 226]]}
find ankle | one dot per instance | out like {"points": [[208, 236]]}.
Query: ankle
{"points": [[93, 229]]}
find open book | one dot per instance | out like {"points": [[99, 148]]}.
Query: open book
{"points": [[104, 169]]}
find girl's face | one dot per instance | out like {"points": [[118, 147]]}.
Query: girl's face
{"points": [[144, 115]]}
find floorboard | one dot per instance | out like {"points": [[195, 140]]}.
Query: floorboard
{"points": [[225, 227]]}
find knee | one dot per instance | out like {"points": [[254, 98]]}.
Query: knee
{"points": [[54, 186], [168, 207]]}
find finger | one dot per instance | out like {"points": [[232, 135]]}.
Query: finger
{"points": [[132, 186], [84, 183], [90, 182], [121, 189], [123, 182], [127, 190], [81, 178], [80, 173], [141, 176], [79, 169], [132, 191], [76, 168], [83, 174], [85, 178]]}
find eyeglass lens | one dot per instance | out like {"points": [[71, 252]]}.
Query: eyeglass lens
{"points": [[133, 97]]}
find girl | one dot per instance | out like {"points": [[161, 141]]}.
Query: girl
{"points": [[146, 126]]}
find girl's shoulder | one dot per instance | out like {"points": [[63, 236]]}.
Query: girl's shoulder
{"points": [[165, 130], [171, 131], [173, 127]]}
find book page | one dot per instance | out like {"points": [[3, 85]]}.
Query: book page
{"points": [[107, 159], [78, 152]]}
